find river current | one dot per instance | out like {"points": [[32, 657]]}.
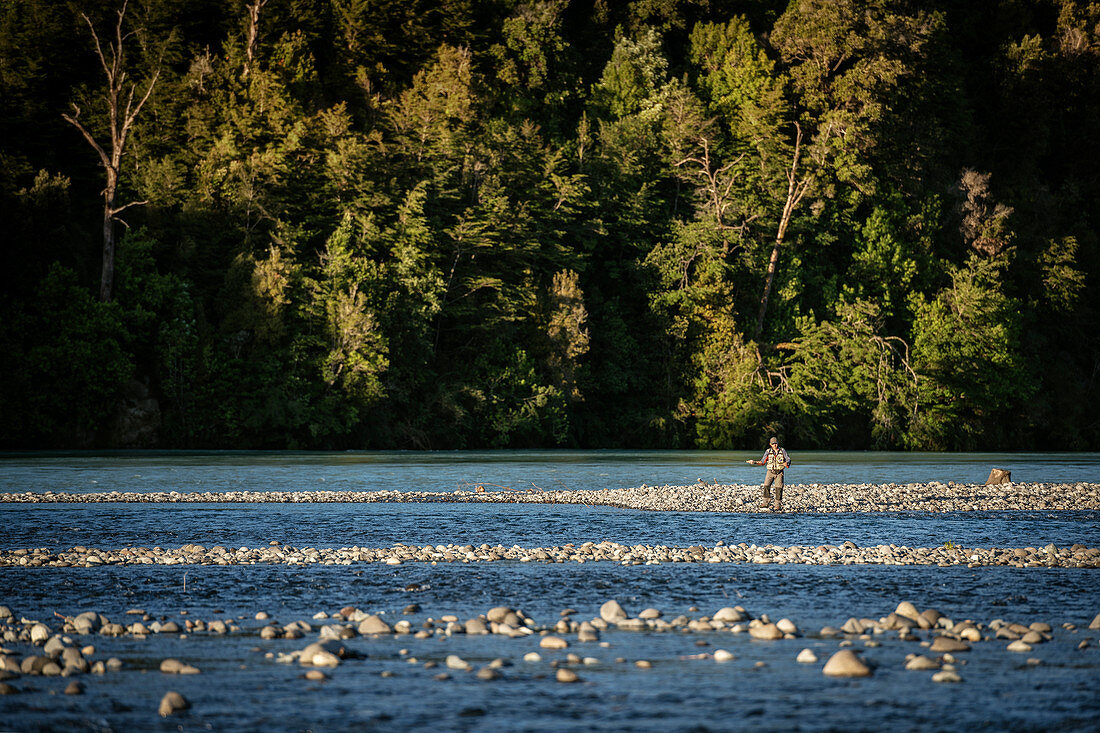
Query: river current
{"points": [[762, 689]]}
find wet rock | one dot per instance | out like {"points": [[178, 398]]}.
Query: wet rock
{"points": [[650, 613], [946, 675], [6, 689], [845, 663], [721, 655], [1095, 623], [643, 664], [946, 644], [998, 476], [553, 642], [172, 703], [612, 612], [453, 661], [74, 688], [786, 626], [766, 632], [908, 610], [488, 673], [566, 675], [729, 615], [806, 656], [476, 627], [316, 675], [921, 663], [39, 633], [1019, 646], [374, 625]]}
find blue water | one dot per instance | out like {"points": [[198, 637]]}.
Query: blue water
{"points": [[241, 689], [547, 470]]}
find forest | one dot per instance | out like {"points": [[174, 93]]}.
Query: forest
{"points": [[480, 224]]}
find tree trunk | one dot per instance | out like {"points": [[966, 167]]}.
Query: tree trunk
{"points": [[796, 189]]}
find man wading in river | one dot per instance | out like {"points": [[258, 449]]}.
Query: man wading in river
{"points": [[776, 459]]}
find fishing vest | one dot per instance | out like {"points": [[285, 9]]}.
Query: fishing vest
{"points": [[775, 460]]}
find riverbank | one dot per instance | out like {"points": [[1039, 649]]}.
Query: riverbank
{"points": [[1075, 556], [701, 497]]}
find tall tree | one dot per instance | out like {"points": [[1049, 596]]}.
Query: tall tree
{"points": [[122, 112]]}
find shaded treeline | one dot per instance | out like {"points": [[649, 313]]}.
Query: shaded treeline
{"points": [[463, 223]]}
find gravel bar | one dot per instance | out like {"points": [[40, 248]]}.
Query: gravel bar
{"points": [[822, 498]]}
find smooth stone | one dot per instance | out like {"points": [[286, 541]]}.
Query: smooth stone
{"points": [[532, 657], [786, 626], [324, 659], [612, 612], [806, 656], [454, 661], [374, 625], [476, 627], [728, 615], [566, 675], [39, 633], [643, 664], [921, 662], [553, 642], [172, 703], [721, 655], [1032, 637], [6, 689], [908, 610], [650, 613], [1095, 623], [316, 675], [54, 646], [947, 644], [74, 688], [171, 666], [946, 675], [766, 632], [1018, 646], [498, 614], [845, 663], [488, 673]]}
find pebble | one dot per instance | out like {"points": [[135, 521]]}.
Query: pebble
{"points": [[553, 642], [721, 655], [946, 675], [172, 703], [806, 656], [920, 662], [845, 663], [566, 675], [1019, 646]]}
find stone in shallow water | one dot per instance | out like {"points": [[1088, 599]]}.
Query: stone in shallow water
{"points": [[553, 642], [611, 612], [947, 644], [374, 625], [172, 703], [567, 675], [806, 656], [722, 655], [845, 663], [920, 662], [767, 632], [1019, 646], [728, 615], [946, 675]]}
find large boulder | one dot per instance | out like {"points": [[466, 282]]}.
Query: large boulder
{"points": [[998, 476]]}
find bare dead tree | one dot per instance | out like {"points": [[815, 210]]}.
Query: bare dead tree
{"points": [[796, 189], [253, 33], [122, 112]]}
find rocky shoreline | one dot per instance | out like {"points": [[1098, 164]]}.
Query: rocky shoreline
{"points": [[933, 642], [1050, 556], [701, 497]]}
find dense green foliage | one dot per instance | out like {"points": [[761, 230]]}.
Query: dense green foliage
{"points": [[487, 223]]}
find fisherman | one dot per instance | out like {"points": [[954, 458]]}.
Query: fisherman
{"points": [[776, 459]]}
